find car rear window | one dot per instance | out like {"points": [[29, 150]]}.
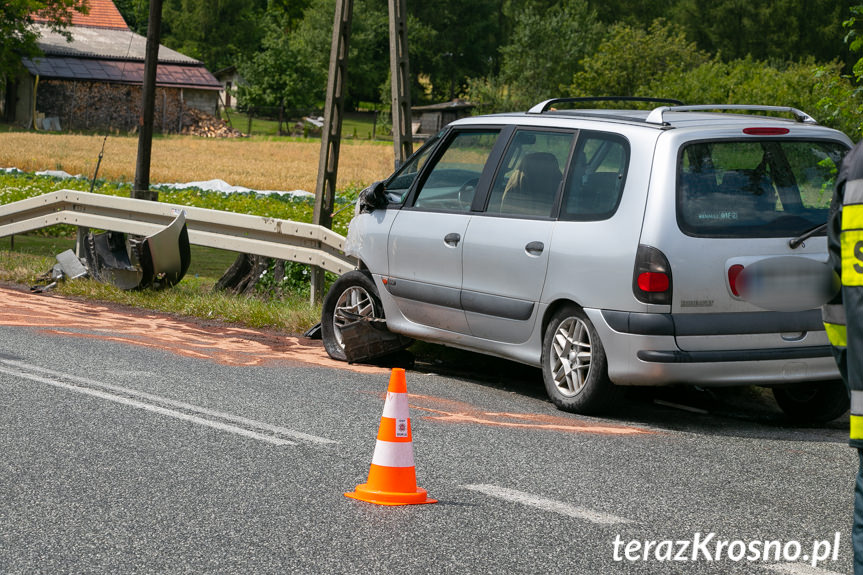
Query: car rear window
{"points": [[755, 188]]}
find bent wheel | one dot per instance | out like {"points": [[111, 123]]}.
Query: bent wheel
{"points": [[351, 296]]}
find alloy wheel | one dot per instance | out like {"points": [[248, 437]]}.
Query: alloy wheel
{"points": [[571, 356], [354, 301]]}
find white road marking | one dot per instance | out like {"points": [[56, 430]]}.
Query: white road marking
{"points": [[279, 431], [547, 504], [799, 569]]}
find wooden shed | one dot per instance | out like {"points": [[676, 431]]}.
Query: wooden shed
{"points": [[429, 120]]}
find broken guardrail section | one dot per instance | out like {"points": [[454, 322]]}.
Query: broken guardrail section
{"points": [[156, 261]]}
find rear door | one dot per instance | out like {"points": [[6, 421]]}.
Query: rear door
{"points": [[739, 201], [506, 250], [426, 240]]}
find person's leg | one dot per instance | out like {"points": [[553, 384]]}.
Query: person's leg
{"points": [[857, 531]]}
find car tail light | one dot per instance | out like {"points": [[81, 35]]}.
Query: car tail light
{"points": [[766, 131], [733, 274], [651, 279]]}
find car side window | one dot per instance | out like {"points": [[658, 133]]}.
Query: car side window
{"points": [[596, 177], [530, 176], [400, 182], [451, 184]]}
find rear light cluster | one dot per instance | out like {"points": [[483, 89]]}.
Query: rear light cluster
{"points": [[733, 275], [651, 279]]}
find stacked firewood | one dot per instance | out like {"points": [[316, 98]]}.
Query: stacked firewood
{"points": [[198, 123]]}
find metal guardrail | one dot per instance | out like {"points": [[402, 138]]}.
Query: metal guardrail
{"points": [[257, 235]]}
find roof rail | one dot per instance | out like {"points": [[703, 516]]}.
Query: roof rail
{"points": [[655, 116], [546, 105]]}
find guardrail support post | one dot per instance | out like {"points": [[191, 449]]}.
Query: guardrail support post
{"points": [[80, 239]]}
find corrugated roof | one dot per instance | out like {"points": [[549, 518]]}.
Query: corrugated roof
{"points": [[124, 72], [102, 14], [103, 43]]}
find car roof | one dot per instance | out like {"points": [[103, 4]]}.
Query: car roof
{"points": [[661, 118]]}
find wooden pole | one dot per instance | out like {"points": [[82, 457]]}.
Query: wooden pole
{"points": [[141, 187], [401, 82], [328, 166]]}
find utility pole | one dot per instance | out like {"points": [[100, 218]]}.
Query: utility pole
{"points": [[401, 82], [328, 166], [141, 188]]}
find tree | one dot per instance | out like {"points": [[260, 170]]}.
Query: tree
{"points": [[135, 13], [460, 41], [628, 57], [216, 32], [854, 37], [293, 63], [280, 73], [637, 13], [546, 49], [368, 55], [775, 30], [19, 36]]}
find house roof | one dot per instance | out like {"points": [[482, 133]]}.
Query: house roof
{"points": [[104, 49], [103, 43], [102, 14], [123, 72]]}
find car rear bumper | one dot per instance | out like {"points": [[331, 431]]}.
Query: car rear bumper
{"points": [[724, 356], [642, 350]]}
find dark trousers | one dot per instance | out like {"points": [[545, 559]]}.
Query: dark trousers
{"points": [[857, 531]]}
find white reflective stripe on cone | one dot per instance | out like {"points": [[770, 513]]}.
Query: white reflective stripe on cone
{"points": [[393, 454], [857, 402], [396, 406]]}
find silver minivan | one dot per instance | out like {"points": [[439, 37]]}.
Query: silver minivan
{"points": [[605, 247]]}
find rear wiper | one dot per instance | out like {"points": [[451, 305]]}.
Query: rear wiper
{"points": [[795, 242]]}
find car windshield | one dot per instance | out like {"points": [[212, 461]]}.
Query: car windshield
{"points": [[752, 188]]}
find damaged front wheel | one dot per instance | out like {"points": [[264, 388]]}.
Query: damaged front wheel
{"points": [[352, 325]]}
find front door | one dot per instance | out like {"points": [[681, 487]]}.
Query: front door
{"points": [[427, 237]]}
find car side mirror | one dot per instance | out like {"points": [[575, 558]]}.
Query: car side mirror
{"points": [[373, 198]]}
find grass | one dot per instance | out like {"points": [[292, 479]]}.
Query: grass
{"points": [[355, 125], [257, 163], [193, 296]]}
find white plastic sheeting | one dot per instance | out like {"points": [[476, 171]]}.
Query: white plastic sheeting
{"points": [[208, 185]]}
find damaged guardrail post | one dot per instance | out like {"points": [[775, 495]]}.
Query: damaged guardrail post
{"points": [[81, 241]]}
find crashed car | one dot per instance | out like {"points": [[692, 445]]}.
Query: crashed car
{"points": [[605, 247]]}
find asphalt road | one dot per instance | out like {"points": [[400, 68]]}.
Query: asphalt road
{"points": [[123, 456]]}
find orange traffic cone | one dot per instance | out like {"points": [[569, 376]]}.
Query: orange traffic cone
{"points": [[392, 476]]}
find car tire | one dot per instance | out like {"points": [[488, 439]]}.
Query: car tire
{"points": [[574, 364], [813, 402], [355, 293]]}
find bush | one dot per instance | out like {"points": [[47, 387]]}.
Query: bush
{"points": [[629, 59], [821, 91]]}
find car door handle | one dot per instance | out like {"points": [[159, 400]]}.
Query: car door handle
{"points": [[534, 248], [452, 239]]}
